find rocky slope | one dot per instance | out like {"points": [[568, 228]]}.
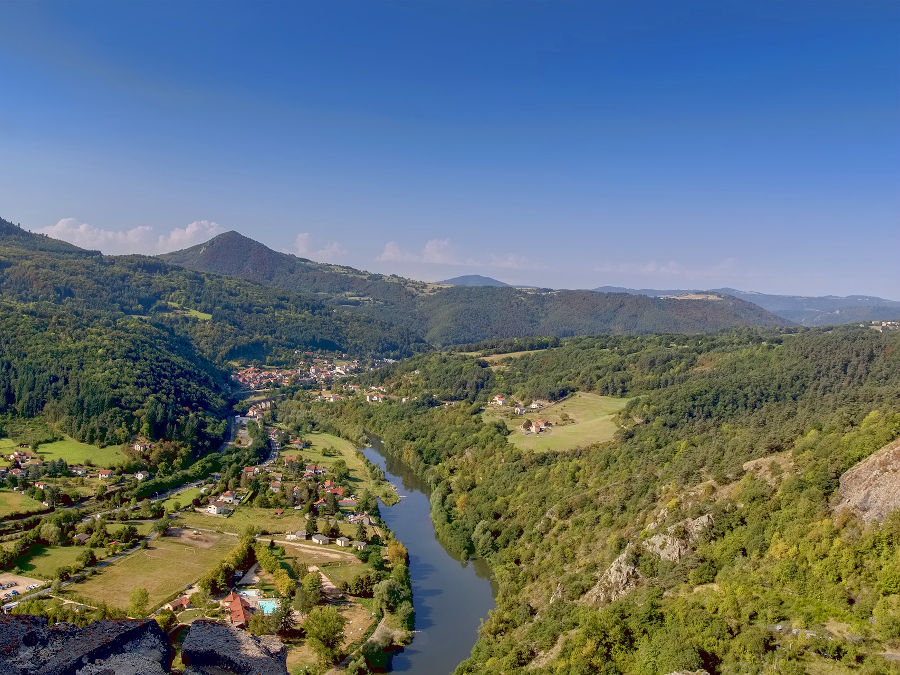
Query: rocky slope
{"points": [[871, 489]]}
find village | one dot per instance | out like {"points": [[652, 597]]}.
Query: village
{"points": [[308, 507], [311, 369]]}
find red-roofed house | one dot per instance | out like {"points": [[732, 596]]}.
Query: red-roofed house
{"points": [[239, 609], [180, 604]]}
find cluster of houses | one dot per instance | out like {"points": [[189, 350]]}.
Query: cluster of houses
{"points": [[518, 408], [325, 540], [882, 326], [257, 409], [22, 460], [536, 426], [257, 378], [373, 395], [320, 370], [224, 503]]}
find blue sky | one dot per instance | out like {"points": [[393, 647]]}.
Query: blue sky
{"points": [[567, 144]]}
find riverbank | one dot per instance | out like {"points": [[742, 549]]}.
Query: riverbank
{"points": [[451, 597]]}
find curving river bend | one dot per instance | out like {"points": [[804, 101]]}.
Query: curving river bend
{"points": [[450, 597]]}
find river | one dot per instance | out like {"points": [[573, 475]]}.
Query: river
{"points": [[450, 597]]}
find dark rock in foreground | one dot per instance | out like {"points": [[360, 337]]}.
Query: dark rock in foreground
{"points": [[28, 646], [212, 648]]}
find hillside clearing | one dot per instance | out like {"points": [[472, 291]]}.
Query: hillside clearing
{"points": [[591, 421], [495, 358], [75, 452]]}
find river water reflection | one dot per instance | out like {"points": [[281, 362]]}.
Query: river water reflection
{"points": [[450, 597]]}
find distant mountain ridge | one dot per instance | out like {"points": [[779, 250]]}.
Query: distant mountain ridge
{"points": [[473, 308], [473, 280], [805, 310]]}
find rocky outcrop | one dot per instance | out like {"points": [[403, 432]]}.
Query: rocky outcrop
{"points": [[212, 648], [619, 579], [871, 489], [623, 576], [28, 646]]}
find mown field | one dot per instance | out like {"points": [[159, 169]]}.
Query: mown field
{"points": [[164, 568], [244, 516], [75, 452], [43, 561], [14, 502], [591, 418], [183, 498]]}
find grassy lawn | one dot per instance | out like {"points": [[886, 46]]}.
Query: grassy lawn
{"points": [[593, 423], [183, 498], [80, 453], [7, 446], [264, 519], [144, 527], [339, 572], [190, 615], [42, 561], [311, 557], [13, 502], [164, 568], [299, 657]]}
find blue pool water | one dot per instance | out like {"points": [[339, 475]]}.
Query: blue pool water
{"points": [[268, 606]]}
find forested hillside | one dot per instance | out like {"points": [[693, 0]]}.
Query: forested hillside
{"points": [[823, 310], [702, 536], [112, 346], [442, 315]]}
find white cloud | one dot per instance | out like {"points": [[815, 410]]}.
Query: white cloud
{"points": [[434, 252], [141, 239], [108, 241], [183, 237], [393, 253], [329, 252], [439, 252], [444, 252]]}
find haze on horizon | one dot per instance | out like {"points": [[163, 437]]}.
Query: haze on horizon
{"points": [[574, 144]]}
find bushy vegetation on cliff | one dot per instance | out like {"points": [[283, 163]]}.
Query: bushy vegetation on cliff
{"points": [[703, 535]]}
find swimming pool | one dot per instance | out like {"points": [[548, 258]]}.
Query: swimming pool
{"points": [[268, 606]]}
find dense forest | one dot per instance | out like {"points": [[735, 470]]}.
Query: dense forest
{"points": [[702, 536]]}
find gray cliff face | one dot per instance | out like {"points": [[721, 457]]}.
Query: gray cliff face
{"points": [[28, 646], [212, 648], [127, 647]]}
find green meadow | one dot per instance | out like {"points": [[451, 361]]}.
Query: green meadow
{"points": [[578, 420], [75, 452]]}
